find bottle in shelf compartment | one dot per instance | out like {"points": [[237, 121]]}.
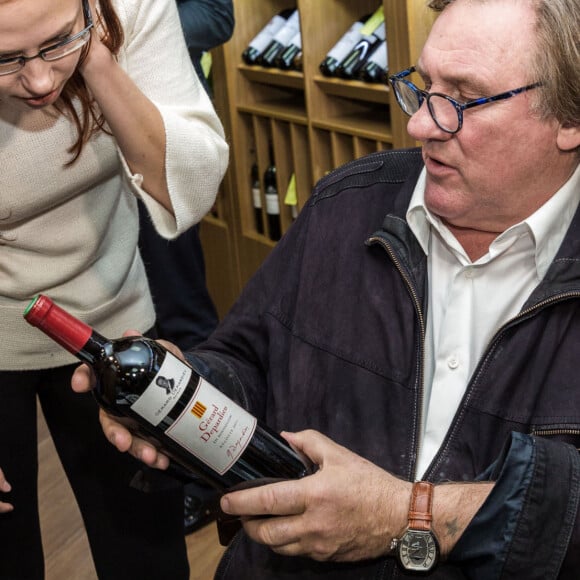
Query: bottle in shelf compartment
{"points": [[290, 57], [280, 41], [373, 33], [262, 39], [257, 199], [375, 70], [272, 199], [339, 51], [163, 399]]}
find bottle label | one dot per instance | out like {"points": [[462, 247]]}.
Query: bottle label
{"points": [[379, 56], [263, 38], [348, 40], [272, 202], [285, 34], [211, 426], [374, 21], [257, 198], [296, 40]]}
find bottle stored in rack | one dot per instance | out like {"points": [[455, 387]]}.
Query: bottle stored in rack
{"points": [[259, 43]]}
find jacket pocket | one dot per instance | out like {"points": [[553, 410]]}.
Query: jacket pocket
{"points": [[564, 432]]}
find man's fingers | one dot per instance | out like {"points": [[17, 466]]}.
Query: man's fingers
{"points": [[281, 498]]}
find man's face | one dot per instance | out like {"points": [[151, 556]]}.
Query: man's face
{"points": [[505, 162]]}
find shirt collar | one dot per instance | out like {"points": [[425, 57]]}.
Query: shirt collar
{"points": [[547, 226]]}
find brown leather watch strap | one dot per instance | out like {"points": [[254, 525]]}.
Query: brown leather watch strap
{"points": [[420, 508]]}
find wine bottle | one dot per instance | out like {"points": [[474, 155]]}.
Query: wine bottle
{"points": [[357, 57], [257, 198], [339, 51], [272, 200], [266, 34], [280, 41], [375, 70], [297, 62], [164, 400], [288, 58]]}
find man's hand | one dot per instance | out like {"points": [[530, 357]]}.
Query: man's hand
{"points": [[349, 510], [83, 380]]}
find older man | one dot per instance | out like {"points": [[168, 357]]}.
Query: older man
{"points": [[423, 316]]}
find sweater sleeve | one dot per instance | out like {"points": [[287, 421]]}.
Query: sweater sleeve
{"points": [[526, 526], [156, 58]]}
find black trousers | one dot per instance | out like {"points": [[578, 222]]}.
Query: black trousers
{"points": [[133, 534]]}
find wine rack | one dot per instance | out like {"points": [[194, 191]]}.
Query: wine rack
{"points": [[313, 123]]}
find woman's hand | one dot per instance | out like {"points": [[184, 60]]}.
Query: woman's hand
{"points": [[5, 487], [135, 122], [97, 52]]}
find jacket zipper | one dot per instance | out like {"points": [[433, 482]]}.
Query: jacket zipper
{"points": [[555, 432], [482, 364], [421, 359], [550, 432]]}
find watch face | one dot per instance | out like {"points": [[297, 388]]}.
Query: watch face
{"points": [[418, 551]]}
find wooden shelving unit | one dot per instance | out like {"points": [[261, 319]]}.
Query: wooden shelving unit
{"points": [[314, 123]]}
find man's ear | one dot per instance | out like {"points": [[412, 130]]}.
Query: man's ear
{"points": [[568, 137]]}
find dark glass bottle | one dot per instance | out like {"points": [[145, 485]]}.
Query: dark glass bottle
{"points": [[375, 70], [280, 41], [297, 62], [262, 39], [345, 44], [289, 57], [357, 57], [162, 399], [257, 199], [272, 199]]}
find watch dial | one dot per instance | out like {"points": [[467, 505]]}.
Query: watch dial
{"points": [[418, 551]]}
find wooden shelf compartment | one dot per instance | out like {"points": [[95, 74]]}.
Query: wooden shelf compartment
{"points": [[291, 110], [336, 149], [315, 123], [353, 89], [291, 150], [273, 76], [368, 124]]}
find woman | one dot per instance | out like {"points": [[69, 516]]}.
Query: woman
{"points": [[99, 105]]}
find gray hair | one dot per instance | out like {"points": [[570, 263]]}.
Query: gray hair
{"points": [[556, 62]]}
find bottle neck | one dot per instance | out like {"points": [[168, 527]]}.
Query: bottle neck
{"points": [[65, 329]]}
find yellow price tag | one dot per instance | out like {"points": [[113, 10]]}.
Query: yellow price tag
{"points": [[206, 62], [291, 197], [373, 22]]}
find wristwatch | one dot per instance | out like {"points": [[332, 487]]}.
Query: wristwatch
{"points": [[417, 550]]}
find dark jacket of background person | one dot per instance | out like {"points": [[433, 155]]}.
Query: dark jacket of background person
{"points": [[206, 24], [328, 335], [185, 311]]}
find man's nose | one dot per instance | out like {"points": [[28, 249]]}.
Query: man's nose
{"points": [[422, 127]]}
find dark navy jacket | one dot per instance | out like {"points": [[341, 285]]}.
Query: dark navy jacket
{"points": [[206, 24], [329, 335]]}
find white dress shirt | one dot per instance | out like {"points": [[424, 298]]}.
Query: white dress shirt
{"points": [[469, 301]]}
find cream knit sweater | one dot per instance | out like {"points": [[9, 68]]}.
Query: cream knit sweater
{"points": [[71, 232]]}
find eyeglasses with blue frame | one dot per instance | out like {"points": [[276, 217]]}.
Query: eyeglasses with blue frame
{"points": [[53, 52], [446, 112]]}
